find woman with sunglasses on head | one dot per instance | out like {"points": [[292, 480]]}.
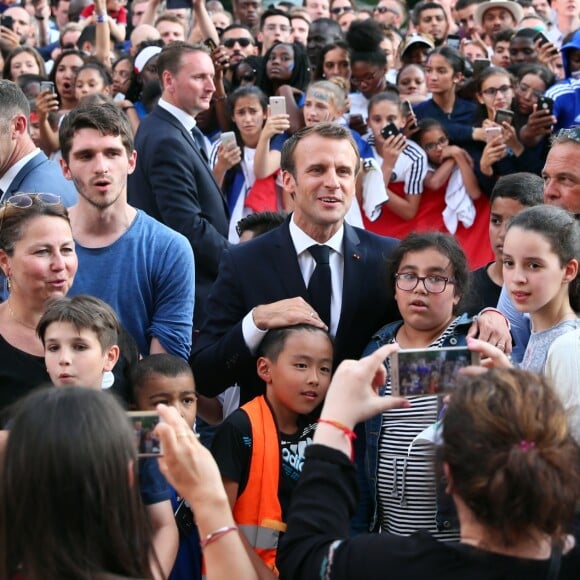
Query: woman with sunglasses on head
{"points": [[429, 276], [38, 259]]}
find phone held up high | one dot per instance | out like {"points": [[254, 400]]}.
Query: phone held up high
{"points": [[430, 371]]}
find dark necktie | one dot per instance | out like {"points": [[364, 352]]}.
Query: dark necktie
{"points": [[199, 141], [319, 287]]}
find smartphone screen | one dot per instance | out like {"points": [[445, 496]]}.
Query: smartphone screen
{"points": [[504, 116], [454, 41], [146, 442], [480, 64], [431, 371]]}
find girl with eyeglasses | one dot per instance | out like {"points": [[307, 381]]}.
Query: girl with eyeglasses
{"points": [[429, 277], [452, 200], [503, 153], [39, 262]]}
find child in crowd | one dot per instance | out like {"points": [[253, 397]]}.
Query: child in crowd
{"points": [[450, 189], [167, 379], [260, 447], [404, 166], [511, 195], [541, 252], [80, 336]]}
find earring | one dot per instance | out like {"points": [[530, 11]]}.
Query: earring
{"points": [[7, 285]]}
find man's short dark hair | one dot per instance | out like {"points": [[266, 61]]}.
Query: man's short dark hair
{"points": [[12, 102], [273, 12], [89, 34], [422, 6], [106, 118], [260, 223], [526, 188], [235, 26], [461, 4], [326, 130], [171, 56]]}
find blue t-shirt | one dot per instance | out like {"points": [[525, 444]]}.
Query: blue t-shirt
{"points": [[148, 277]]}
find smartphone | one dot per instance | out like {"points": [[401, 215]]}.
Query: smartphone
{"points": [[144, 423], [406, 108], [491, 133], [504, 116], [277, 105], [7, 22], [184, 518], [545, 104], [454, 41], [389, 130], [174, 4], [227, 138], [430, 371], [542, 38], [479, 65], [210, 43], [47, 86]]}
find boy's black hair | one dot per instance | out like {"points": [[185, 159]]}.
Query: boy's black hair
{"points": [[260, 223], [526, 188], [165, 365], [273, 343]]}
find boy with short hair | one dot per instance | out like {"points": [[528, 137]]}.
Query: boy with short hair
{"points": [[167, 379], [80, 336], [260, 447]]}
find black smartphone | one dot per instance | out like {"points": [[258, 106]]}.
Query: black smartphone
{"points": [[545, 104], [431, 371], [504, 116], [174, 4], [46, 86], [542, 38], [389, 130], [479, 65], [406, 108], [454, 41], [7, 22], [184, 518]]}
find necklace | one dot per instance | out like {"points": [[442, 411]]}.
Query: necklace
{"points": [[16, 319]]}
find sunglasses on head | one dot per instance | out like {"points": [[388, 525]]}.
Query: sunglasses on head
{"points": [[25, 200], [243, 42]]}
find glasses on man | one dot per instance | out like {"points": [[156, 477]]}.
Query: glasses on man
{"points": [[442, 142], [384, 10], [493, 91], [243, 42], [407, 282], [25, 200], [366, 80], [341, 10]]}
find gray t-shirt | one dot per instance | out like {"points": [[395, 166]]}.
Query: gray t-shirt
{"points": [[540, 342]]}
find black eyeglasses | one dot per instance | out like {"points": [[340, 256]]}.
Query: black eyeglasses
{"points": [[367, 80], [433, 284], [384, 10], [440, 143], [341, 9], [493, 91], [25, 200], [243, 42]]}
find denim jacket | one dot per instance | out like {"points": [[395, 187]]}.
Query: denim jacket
{"points": [[446, 518]]}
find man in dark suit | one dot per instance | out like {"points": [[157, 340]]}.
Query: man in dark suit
{"points": [[265, 283], [23, 167], [172, 181]]}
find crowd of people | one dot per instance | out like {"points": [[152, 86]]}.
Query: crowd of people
{"points": [[245, 216]]}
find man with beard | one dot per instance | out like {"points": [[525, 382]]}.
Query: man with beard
{"points": [[430, 18], [141, 268], [238, 42]]}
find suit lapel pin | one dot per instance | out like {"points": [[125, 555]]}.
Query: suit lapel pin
{"points": [[356, 256]]}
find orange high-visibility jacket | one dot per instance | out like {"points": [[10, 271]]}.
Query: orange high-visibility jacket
{"points": [[257, 510]]}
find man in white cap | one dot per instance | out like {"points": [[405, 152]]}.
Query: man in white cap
{"points": [[497, 15]]}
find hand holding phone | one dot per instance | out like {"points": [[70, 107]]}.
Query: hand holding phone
{"points": [[389, 131]]}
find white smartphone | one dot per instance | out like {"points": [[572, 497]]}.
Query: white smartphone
{"points": [[227, 138], [491, 133], [277, 105], [146, 442], [429, 371]]}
